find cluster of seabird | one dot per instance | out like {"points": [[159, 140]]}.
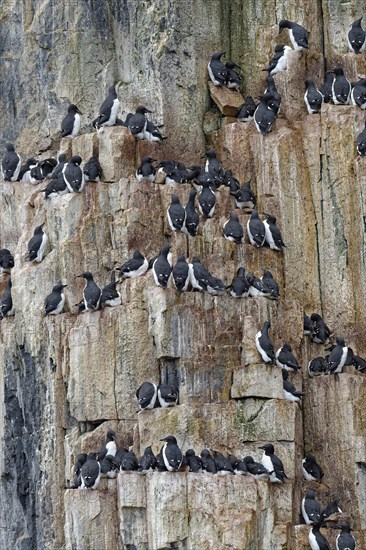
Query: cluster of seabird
{"points": [[340, 355], [89, 468], [223, 74], [317, 518], [151, 396]]}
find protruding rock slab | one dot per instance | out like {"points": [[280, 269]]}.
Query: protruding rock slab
{"points": [[257, 381], [228, 101], [91, 518], [116, 152]]}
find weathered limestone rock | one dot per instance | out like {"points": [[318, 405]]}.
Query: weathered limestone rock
{"points": [[91, 521], [228, 100], [116, 152], [257, 381]]}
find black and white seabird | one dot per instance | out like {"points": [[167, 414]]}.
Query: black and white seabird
{"points": [[160, 465], [214, 167], [271, 284], [70, 124], [361, 142], [255, 469], [337, 357], [313, 98], [73, 175], [310, 508], [37, 245], [278, 62], [273, 464], [54, 303], [359, 363], [137, 122], [223, 464], [245, 198], [257, 287], [192, 219], [146, 170], [231, 182], [317, 366], [80, 460], [172, 455], [176, 214], [345, 541], [232, 78], [193, 461], [152, 132], [129, 462], [326, 88], [109, 447], [239, 287], [25, 170], [331, 508], [11, 164], [317, 540], [6, 302], [6, 261], [275, 101], [208, 463], [207, 200], [341, 87], [146, 395], [233, 230], [311, 469], [308, 325], [92, 293], [247, 110], [42, 170], [321, 331], [358, 93], [215, 285], [290, 393], [56, 186], [264, 116], [110, 295], [167, 395], [92, 170], [135, 266], [162, 267], [256, 229], [286, 359], [90, 473], [298, 35], [198, 274], [217, 70], [264, 344], [181, 274], [109, 109], [147, 461], [108, 467], [357, 37], [238, 465]]}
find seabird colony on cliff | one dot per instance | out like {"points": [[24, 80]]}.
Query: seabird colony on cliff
{"points": [[68, 176]]}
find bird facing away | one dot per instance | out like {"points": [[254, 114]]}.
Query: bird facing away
{"points": [[357, 37], [70, 124], [146, 395], [11, 164], [310, 508]]}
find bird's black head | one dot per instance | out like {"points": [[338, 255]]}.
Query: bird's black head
{"points": [[310, 493], [309, 457], [338, 71], [87, 275], [74, 109], [267, 448], [169, 439], [340, 342], [76, 160], [248, 459], [147, 160], [9, 147], [210, 153], [62, 157], [111, 435], [38, 229], [315, 317], [231, 65], [284, 24], [217, 55], [142, 109], [270, 217], [59, 286]]}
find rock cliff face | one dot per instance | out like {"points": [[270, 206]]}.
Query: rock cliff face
{"points": [[66, 380]]}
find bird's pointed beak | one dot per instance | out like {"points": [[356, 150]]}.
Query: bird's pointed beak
{"points": [[78, 111]]}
